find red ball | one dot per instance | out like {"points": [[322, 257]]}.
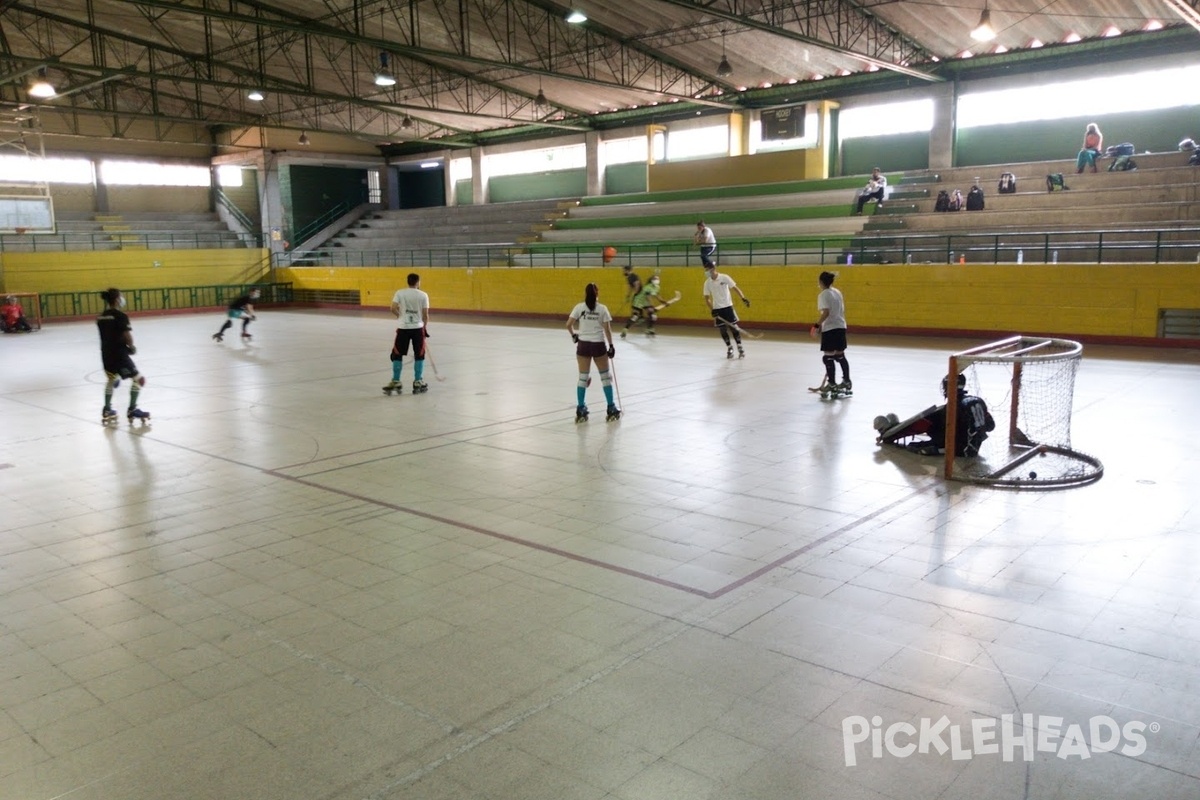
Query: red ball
{"points": [[609, 254]]}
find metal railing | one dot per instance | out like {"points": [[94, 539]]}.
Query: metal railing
{"points": [[335, 213], [79, 304], [117, 240], [236, 212], [1125, 245]]}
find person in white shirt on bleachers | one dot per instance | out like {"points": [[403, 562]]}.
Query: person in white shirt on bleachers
{"points": [[708, 244], [876, 189]]}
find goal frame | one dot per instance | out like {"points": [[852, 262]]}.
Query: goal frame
{"points": [[31, 304], [1016, 351]]}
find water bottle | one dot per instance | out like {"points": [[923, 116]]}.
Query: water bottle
{"points": [[1054, 258], [1020, 256]]}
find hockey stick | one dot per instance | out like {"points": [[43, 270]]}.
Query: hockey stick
{"points": [[616, 386], [734, 326], [432, 363], [678, 296]]}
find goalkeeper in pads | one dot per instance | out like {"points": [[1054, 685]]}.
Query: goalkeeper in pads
{"points": [[973, 424]]}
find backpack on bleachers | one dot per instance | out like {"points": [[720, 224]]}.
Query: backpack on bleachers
{"points": [[943, 201], [956, 201], [1055, 183], [1122, 164], [1008, 183], [975, 199], [1194, 159], [1122, 149]]}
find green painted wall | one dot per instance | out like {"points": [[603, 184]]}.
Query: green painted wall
{"points": [[625, 179], [1043, 140], [901, 151], [462, 192], [538, 186]]}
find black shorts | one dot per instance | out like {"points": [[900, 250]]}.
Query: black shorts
{"points": [[727, 313], [403, 337], [591, 349], [120, 366], [833, 341]]}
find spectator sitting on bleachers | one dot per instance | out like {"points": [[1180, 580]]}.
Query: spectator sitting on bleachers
{"points": [[875, 189], [1093, 140]]}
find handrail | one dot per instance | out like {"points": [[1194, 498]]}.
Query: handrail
{"points": [[118, 240], [79, 304], [1123, 245], [234, 211], [337, 211]]}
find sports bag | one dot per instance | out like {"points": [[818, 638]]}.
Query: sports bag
{"points": [[1054, 182], [1122, 164], [943, 201], [1122, 149], [1008, 183], [975, 199], [956, 201]]}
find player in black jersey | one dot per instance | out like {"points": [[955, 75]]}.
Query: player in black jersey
{"points": [[116, 347]]}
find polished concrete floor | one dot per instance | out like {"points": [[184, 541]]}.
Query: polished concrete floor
{"points": [[291, 586]]}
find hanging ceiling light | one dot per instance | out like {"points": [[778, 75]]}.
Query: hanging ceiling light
{"points": [[540, 101], [384, 77], [256, 95], [576, 17], [407, 122], [41, 88], [984, 32], [724, 69], [303, 140]]}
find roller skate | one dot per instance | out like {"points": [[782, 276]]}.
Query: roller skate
{"points": [[613, 413], [246, 337], [623, 334], [137, 414], [741, 352], [420, 387], [218, 337], [832, 391], [729, 352], [392, 386], [651, 332], [109, 416], [581, 414]]}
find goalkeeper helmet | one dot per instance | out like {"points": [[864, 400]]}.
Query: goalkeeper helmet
{"points": [[962, 384]]}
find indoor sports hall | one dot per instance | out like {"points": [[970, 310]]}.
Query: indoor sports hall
{"points": [[289, 585]]}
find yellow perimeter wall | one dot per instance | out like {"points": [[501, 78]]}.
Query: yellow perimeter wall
{"points": [[77, 271], [712, 173], [1084, 300]]}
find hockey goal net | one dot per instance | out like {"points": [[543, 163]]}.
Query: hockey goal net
{"points": [[1028, 383], [31, 306]]}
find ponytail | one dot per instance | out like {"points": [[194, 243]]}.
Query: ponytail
{"points": [[589, 296]]}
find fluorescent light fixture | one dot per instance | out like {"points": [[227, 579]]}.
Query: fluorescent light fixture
{"points": [[984, 32], [256, 95], [384, 77], [430, 164], [576, 17]]}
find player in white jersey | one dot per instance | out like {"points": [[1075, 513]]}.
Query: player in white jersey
{"points": [[718, 296], [832, 327], [590, 326], [411, 308]]}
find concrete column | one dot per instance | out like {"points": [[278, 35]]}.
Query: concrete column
{"points": [[270, 200], [448, 181], [739, 133], [595, 164], [941, 137], [479, 188]]}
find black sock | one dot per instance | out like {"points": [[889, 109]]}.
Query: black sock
{"points": [[830, 375], [845, 367]]}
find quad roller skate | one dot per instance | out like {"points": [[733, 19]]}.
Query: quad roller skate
{"points": [[136, 414], [622, 334], [833, 391], [246, 337], [218, 337], [392, 386], [613, 413], [729, 352], [581, 414], [741, 352], [420, 387], [109, 416]]}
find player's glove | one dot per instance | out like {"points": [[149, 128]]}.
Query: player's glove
{"points": [[746, 301], [575, 338], [612, 351]]}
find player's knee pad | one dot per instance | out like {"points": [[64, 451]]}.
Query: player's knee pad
{"points": [[652, 317], [606, 378], [140, 380], [828, 360], [583, 380], [113, 379]]}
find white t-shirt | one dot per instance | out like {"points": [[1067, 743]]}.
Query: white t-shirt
{"points": [[718, 290], [875, 184], [411, 302], [831, 298], [590, 324], [705, 236]]}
